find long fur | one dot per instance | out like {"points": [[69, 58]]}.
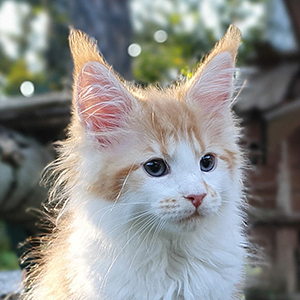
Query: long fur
{"points": [[120, 234]]}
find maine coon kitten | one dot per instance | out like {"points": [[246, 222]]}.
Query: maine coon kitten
{"points": [[149, 184]]}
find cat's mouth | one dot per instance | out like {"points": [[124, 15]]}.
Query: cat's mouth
{"points": [[190, 218]]}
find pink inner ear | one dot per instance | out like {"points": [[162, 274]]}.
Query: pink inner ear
{"points": [[214, 85], [102, 101]]}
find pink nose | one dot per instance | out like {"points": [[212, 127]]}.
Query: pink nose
{"points": [[196, 199]]}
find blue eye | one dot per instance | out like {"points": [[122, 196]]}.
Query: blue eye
{"points": [[156, 167], [207, 162]]}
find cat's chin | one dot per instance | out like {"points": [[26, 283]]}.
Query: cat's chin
{"points": [[195, 217], [187, 224]]}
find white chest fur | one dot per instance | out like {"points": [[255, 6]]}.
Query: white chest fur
{"points": [[134, 265]]}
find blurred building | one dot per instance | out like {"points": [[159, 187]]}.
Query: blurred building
{"points": [[270, 108]]}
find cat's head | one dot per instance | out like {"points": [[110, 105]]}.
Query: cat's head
{"points": [[168, 156]]}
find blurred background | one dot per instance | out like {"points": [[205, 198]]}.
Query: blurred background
{"points": [[156, 41]]}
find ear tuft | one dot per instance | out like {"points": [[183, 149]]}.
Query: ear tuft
{"points": [[83, 50], [101, 101], [212, 83]]}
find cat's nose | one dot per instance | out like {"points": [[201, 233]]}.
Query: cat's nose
{"points": [[196, 199]]}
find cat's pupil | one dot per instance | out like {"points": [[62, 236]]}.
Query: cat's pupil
{"points": [[156, 167], [207, 163]]}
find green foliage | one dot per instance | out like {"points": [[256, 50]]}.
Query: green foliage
{"points": [[56, 57], [155, 62], [18, 73], [189, 39], [6, 62], [159, 61], [8, 259]]}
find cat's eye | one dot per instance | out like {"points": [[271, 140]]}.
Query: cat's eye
{"points": [[207, 162], [156, 167]]}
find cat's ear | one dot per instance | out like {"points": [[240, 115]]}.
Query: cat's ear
{"points": [[101, 100], [212, 84]]}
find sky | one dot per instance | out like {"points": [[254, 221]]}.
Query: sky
{"points": [[10, 25], [11, 13], [280, 31], [254, 12]]}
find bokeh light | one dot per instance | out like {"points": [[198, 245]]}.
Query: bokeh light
{"points": [[160, 36], [27, 88], [134, 50]]}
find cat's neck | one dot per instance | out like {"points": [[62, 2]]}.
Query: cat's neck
{"points": [[130, 254]]}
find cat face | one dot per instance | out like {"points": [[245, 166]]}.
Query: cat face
{"points": [[167, 156], [173, 164], [184, 194]]}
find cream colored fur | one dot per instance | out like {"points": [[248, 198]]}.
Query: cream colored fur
{"points": [[121, 234]]}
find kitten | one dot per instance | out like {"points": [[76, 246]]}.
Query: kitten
{"points": [[149, 185]]}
